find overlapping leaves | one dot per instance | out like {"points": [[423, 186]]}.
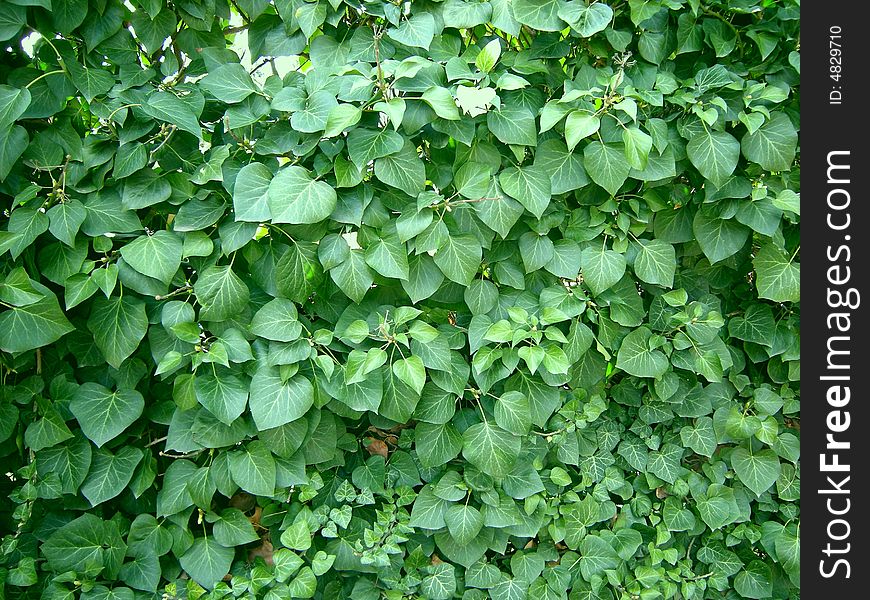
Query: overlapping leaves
{"points": [[437, 299]]}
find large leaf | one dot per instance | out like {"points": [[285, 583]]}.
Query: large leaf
{"points": [[490, 448], [773, 144], [206, 561], [118, 325], [778, 274], [33, 325], [157, 255], [294, 197], [102, 413], [714, 154]]}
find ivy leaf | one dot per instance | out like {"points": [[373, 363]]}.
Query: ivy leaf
{"points": [[602, 268], [637, 358], [586, 19], [656, 262], [275, 402], [529, 185], [294, 197], [580, 124], [34, 325], [416, 32], [778, 274], [607, 165], [253, 469], [13, 104], [206, 561], [463, 522], [221, 293], [759, 470], [403, 170], [224, 396], [229, 83], [513, 125], [714, 154], [103, 414], [166, 107], [490, 448], [459, 258], [110, 474], [157, 255], [772, 145], [251, 193], [118, 325]]}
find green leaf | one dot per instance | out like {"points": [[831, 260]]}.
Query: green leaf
{"points": [[778, 275], [579, 125], [253, 469], [463, 522], [234, 529], [353, 276], [416, 32], [229, 83], [411, 371], [513, 125], [275, 402], [719, 238], [13, 104], [601, 268], [388, 257], [157, 255], [403, 170], [118, 325], [224, 396], [488, 56], [513, 414], [315, 114], [539, 14], [637, 147], [459, 258], [91, 81], [294, 197], [206, 561], [490, 448], [78, 545], [365, 145], [586, 19], [13, 142], [278, 321], [36, 324], [251, 193], [166, 107], [755, 581], [220, 293], [110, 473], [773, 145], [635, 356], [607, 165], [341, 117], [103, 414], [714, 154], [529, 185], [437, 444], [47, 431], [758, 469], [656, 262], [441, 101], [597, 556], [69, 15]]}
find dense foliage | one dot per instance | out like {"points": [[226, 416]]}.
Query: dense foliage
{"points": [[342, 299]]}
